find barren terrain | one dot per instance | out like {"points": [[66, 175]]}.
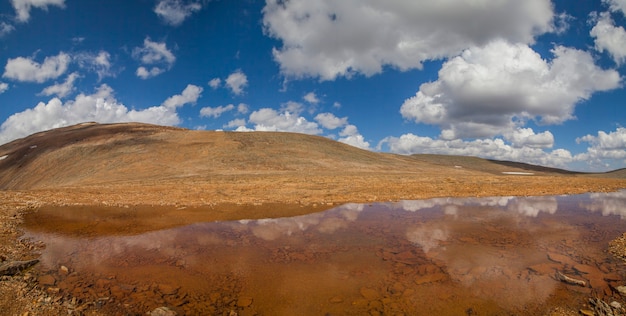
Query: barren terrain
{"points": [[147, 165]]}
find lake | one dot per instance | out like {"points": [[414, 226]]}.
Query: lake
{"points": [[444, 256]]}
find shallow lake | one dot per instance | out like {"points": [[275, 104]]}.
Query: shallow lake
{"points": [[450, 256]]}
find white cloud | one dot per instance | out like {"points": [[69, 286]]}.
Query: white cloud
{"points": [[311, 97], [153, 53], [610, 38], [330, 121], [99, 63], [143, 72], [174, 12], [61, 89], [327, 39], [493, 90], [616, 5], [100, 107], [215, 83], [5, 29], [189, 95], [22, 7], [26, 69], [243, 108], [604, 146], [267, 119], [237, 81], [337, 105], [292, 107], [350, 135], [236, 123], [526, 137], [216, 111], [3, 87], [485, 148]]}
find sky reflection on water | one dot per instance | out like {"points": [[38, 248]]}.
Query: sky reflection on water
{"points": [[490, 255]]}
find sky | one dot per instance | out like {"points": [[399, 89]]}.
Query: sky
{"points": [[534, 81]]}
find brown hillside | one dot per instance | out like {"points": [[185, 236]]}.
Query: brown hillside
{"points": [[147, 164]]}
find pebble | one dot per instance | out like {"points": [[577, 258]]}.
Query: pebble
{"points": [[244, 301], [162, 311]]}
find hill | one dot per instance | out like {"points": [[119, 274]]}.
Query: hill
{"points": [[142, 163]]}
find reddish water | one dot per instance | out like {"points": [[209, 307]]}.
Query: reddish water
{"points": [[490, 256]]}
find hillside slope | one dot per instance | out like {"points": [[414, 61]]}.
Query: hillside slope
{"points": [[149, 164], [98, 154]]}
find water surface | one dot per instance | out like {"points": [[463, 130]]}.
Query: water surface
{"points": [[478, 256]]}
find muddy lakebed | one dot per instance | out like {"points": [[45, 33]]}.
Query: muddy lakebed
{"points": [[444, 256]]}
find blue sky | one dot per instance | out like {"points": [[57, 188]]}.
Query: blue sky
{"points": [[535, 81]]}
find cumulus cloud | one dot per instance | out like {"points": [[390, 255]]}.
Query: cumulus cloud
{"points": [[23, 7], [311, 97], [3, 87], [216, 112], [343, 38], [604, 145], [491, 90], [243, 108], [609, 38], [99, 63], [189, 95], [486, 148], [100, 106], [174, 12], [236, 82], [526, 137], [215, 83], [153, 53], [267, 119], [330, 121], [61, 89], [350, 135], [26, 69], [145, 73], [616, 5]]}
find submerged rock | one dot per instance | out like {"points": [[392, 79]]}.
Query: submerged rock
{"points": [[162, 311]]}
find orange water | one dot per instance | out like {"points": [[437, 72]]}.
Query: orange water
{"points": [[488, 256]]}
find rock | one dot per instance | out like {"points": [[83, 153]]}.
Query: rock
{"points": [[47, 280], [64, 270], [616, 305], [336, 299], [369, 294], [621, 289], [586, 269], [560, 258], [569, 280], [430, 278], [162, 311], [166, 289], [244, 301], [586, 312], [15, 267]]}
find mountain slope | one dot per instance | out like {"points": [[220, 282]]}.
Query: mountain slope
{"points": [[93, 153], [112, 154], [116, 159]]}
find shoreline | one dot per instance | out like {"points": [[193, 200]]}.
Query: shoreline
{"points": [[22, 295]]}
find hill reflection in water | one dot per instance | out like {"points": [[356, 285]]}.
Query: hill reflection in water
{"points": [[438, 256]]}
